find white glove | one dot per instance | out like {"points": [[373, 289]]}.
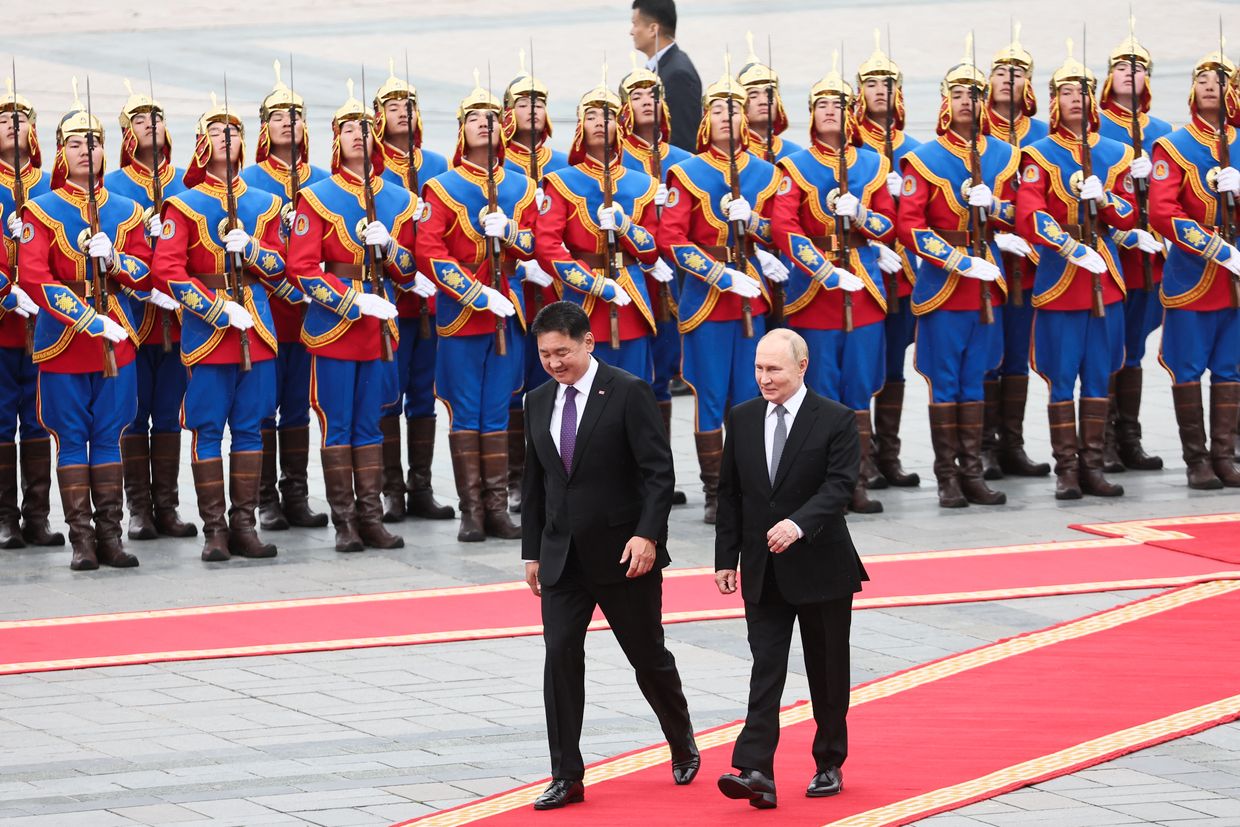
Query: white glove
{"points": [[847, 205], [1232, 263], [849, 283], [539, 197], [100, 246], [238, 316], [894, 184], [1146, 242], [1141, 167], [15, 225], [376, 235], [889, 260], [661, 273], [531, 272], [236, 240], [163, 301], [495, 224], [739, 210], [1012, 243], [25, 307], [1228, 180], [610, 220], [772, 267], [112, 331], [1091, 190], [498, 303], [1091, 262], [155, 226], [981, 196], [371, 304], [660, 196], [619, 297], [981, 269], [743, 285], [422, 286]]}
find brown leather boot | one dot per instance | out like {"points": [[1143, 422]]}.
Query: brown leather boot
{"points": [[270, 513], [1127, 423], [74, 481], [338, 481], [107, 491], [244, 473], [945, 440], [1191, 418], [861, 502], [1224, 410], [393, 475], [1093, 435], [369, 476], [136, 459], [665, 410], [516, 457], [991, 467], [10, 516], [969, 434], [1062, 417], [467, 468], [209, 486], [294, 478], [421, 499], [165, 468], [36, 458], [496, 522], [888, 408], [710, 459], [1013, 394], [1110, 447]]}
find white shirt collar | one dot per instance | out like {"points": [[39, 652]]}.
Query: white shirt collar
{"points": [[792, 405], [583, 384], [653, 63]]}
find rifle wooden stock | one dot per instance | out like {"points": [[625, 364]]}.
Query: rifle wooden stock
{"points": [[891, 281], [843, 224], [1227, 216], [663, 307], [157, 209], [411, 184], [386, 352], [1016, 286], [977, 215], [232, 261], [493, 251], [103, 301], [739, 230], [1089, 213], [19, 201], [613, 310]]}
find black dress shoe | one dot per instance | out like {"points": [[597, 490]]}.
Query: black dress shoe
{"points": [[750, 785], [561, 792], [686, 761], [825, 783]]}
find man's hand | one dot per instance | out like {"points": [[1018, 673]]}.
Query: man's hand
{"points": [[639, 554], [783, 534], [726, 581], [531, 577]]}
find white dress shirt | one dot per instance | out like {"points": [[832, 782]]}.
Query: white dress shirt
{"points": [[653, 63], [791, 406], [583, 386]]}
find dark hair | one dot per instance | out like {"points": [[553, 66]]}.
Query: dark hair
{"points": [[561, 317], [662, 12]]}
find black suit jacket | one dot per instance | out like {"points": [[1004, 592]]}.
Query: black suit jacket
{"points": [[683, 91], [813, 486], [620, 485]]}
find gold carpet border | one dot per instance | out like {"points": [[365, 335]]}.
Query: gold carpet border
{"points": [[1147, 531]]}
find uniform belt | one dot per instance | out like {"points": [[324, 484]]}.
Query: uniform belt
{"points": [[725, 253], [220, 281], [483, 266], [598, 261], [962, 238], [831, 243], [1078, 230], [342, 270]]}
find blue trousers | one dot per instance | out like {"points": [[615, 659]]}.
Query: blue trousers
{"points": [[718, 365], [1195, 341], [161, 379], [292, 390], [475, 382], [530, 373], [219, 395], [1143, 313], [347, 396], [846, 367], [954, 352], [665, 355], [1017, 333], [86, 414], [633, 356], [414, 372], [1072, 344], [900, 329], [19, 392]]}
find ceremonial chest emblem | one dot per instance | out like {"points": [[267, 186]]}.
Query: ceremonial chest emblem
{"points": [[1161, 170], [27, 233], [673, 197], [544, 206], [1129, 187], [168, 229], [910, 185], [301, 224], [785, 185], [1032, 174]]}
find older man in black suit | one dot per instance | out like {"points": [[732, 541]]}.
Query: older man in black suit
{"points": [[790, 462], [654, 34], [598, 488]]}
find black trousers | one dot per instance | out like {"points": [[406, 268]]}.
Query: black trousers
{"points": [[634, 609], [824, 638]]}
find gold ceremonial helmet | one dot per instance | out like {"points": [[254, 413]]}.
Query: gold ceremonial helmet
{"points": [[351, 110], [965, 73], [11, 101], [77, 121], [136, 104], [755, 74], [1072, 71], [600, 96], [879, 65], [524, 85], [394, 88], [479, 99], [1013, 54], [1131, 50], [219, 114], [1212, 62], [280, 97], [722, 89], [832, 85], [638, 78]]}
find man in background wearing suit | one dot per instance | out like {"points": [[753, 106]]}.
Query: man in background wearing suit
{"points": [[598, 488], [654, 34], [790, 462]]}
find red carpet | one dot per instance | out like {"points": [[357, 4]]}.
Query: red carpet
{"points": [[954, 731], [1216, 536], [508, 610]]}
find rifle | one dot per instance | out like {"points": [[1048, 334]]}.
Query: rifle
{"points": [[19, 193], [663, 311], [103, 301], [892, 283], [493, 251], [739, 230], [613, 253], [843, 224], [157, 198], [1142, 184], [535, 173], [411, 184], [1227, 215], [1089, 223], [777, 290], [1016, 288], [977, 215], [232, 262], [387, 353]]}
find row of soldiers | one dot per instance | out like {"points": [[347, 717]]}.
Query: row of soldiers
{"points": [[157, 299]]}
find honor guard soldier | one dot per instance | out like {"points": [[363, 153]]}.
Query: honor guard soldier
{"points": [[21, 178], [219, 250], [481, 215], [836, 297], [398, 128], [1078, 324], [716, 206], [764, 109], [79, 244], [879, 117], [284, 143], [1128, 82], [957, 193], [1192, 196], [1010, 108], [350, 329], [593, 234], [151, 446]]}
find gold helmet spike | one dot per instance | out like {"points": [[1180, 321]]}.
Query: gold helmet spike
{"points": [[1131, 50], [1214, 61], [351, 110], [218, 114], [134, 104], [478, 99], [394, 88], [754, 74], [879, 65], [637, 78], [832, 85], [598, 97], [964, 73], [523, 85], [77, 121], [1014, 53], [1072, 71], [724, 88], [11, 101], [280, 97]]}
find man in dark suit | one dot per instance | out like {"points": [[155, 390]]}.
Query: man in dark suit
{"points": [[789, 466], [598, 488], [654, 34]]}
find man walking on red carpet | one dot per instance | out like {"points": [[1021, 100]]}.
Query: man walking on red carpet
{"points": [[789, 466]]}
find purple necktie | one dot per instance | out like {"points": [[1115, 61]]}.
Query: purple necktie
{"points": [[568, 428]]}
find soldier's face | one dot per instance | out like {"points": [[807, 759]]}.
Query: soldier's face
{"points": [[221, 135], [1122, 79], [396, 113], [8, 136], [962, 108], [875, 91], [141, 124], [354, 141], [1206, 92], [721, 126], [78, 157], [521, 108], [278, 127], [564, 358], [477, 132], [827, 120], [641, 100], [757, 107], [1070, 108], [1006, 81], [596, 129]]}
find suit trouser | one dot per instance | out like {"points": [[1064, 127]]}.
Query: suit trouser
{"points": [[824, 638], [633, 609]]}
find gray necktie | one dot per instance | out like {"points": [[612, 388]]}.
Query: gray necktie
{"points": [[781, 436]]}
